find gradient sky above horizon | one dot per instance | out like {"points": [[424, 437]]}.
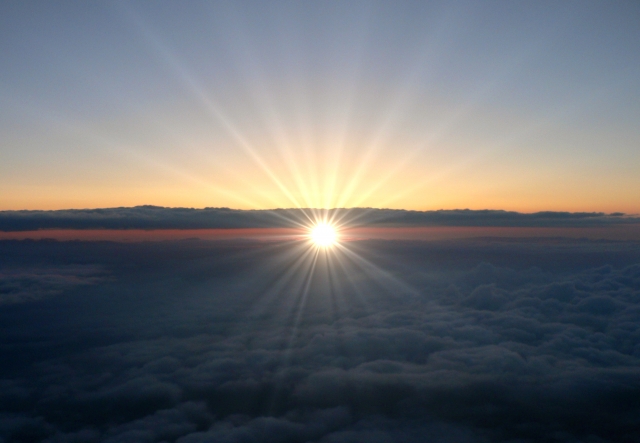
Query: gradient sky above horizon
{"points": [[415, 105]]}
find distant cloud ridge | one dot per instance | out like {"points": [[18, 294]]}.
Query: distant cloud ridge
{"points": [[156, 217]]}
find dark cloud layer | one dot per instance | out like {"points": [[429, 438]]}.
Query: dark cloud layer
{"points": [[19, 285], [194, 341], [153, 217]]}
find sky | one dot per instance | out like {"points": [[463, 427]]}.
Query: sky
{"points": [[167, 168], [524, 106]]}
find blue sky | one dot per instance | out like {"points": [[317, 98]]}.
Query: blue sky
{"points": [[414, 105]]}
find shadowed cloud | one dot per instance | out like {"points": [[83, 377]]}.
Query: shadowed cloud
{"points": [[154, 217], [464, 341]]}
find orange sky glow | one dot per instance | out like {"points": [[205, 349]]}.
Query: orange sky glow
{"points": [[621, 232]]}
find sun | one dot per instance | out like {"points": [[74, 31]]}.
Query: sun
{"points": [[323, 235]]}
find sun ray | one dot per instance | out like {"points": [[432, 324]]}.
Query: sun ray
{"points": [[348, 275], [338, 308], [74, 127], [288, 350], [278, 278], [273, 123], [196, 89], [385, 278]]}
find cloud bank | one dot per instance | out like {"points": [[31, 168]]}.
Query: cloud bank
{"points": [[154, 217]]}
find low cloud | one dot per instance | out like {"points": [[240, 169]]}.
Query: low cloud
{"points": [[154, 217], [453, 342], [20, 285]]}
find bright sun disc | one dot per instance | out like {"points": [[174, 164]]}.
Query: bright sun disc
{"points": [[323, 235]]}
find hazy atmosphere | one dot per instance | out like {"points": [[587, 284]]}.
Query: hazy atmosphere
{"points": [[527, 106], [319, 222]]}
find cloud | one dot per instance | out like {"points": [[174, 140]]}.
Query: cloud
{"points": [[33, 283], [154, 217], [487, 346]]}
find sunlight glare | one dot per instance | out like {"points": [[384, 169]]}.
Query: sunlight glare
{"points": [[323, 235]]}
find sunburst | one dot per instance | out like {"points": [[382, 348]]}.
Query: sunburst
{"points": [[323, 235]]}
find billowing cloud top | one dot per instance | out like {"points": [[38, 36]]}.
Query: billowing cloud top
{"points": [[155, 217], [469, 341]]}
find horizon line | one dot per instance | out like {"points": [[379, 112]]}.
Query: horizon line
{"points": [[149, 206]]}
